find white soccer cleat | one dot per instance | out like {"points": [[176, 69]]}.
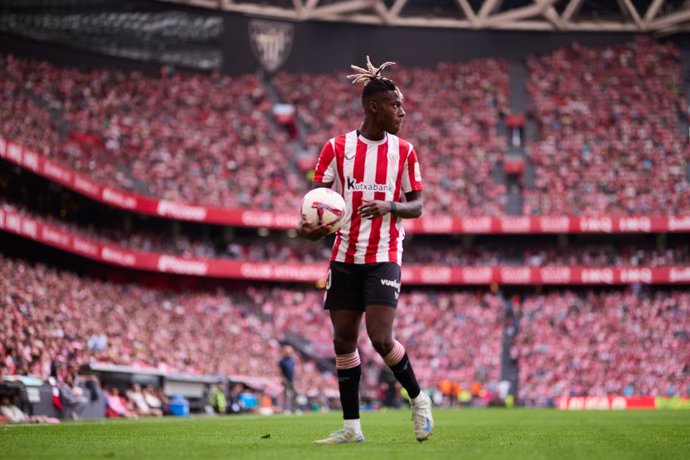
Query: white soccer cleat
{"points": [[421, 417], [343, 436]]}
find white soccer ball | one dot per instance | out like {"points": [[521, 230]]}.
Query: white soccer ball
{"points": [[323, 206]]}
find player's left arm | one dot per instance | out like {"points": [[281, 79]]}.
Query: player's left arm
{"points": [[409, 209]]}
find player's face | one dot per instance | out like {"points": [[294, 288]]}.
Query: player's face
{"points": [[390, 114]]}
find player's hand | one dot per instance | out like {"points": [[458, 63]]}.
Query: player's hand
{"points": [[373, 208], [306, 231]]}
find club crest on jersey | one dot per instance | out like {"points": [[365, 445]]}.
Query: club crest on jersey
{"points": [[271, 42], [355, 186]]}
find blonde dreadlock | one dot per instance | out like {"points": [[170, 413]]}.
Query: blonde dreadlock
{"points": [[369, 74], [372, 79]]}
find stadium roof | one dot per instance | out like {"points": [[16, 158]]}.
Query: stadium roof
{"points": [[662, 17]]}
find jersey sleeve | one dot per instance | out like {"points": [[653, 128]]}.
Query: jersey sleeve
{"points": [[412, 175], [325, 165]]}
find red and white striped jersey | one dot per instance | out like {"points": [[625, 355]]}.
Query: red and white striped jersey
{"points": [[359, 169]]}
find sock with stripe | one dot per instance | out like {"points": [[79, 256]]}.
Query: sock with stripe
{"points": [[349, 369], [400, 364]]}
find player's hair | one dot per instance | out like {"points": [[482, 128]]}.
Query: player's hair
{"points": [[372, 79]]}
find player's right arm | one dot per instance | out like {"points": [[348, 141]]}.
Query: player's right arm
{"points": [[306, 231], [324, 175]]}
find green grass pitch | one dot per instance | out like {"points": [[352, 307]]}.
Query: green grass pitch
{"points": [[471, 434]]}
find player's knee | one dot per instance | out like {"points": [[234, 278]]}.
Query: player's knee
{"points": [[382, 343], [343, 345]]}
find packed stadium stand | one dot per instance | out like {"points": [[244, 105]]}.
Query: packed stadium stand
{"points": [[610, 134], [626, 342], [56, 316], [172, 137], [192, 138], [608, 144]]}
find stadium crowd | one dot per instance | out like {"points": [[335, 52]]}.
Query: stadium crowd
{"points": [[542, 254], [604, 145], [54, 316], [623, 342], [632, 341], [208, 139], [279, 247], [187, 137], [610, 139], [465, 348]]}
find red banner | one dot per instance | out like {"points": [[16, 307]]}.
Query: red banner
{"points": [[56, 172], [36, 230], [606, 402]]}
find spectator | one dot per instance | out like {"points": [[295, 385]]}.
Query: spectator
{"points": [[14, 414], [286, 364], [218, 401], [72, 396], [154, 400], [138, 400], [116, 405]]}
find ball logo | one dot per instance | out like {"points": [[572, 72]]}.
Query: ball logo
{"points": [[321, 208]]}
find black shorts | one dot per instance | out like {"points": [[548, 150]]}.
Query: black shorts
{"points": [[355, 286]]}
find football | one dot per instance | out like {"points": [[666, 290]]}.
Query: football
{"points": [[323, 206]]}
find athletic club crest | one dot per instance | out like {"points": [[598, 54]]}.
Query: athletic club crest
{"points": [[271, 42]]}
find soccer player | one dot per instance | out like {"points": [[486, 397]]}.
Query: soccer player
{"points": [[378, 175]]}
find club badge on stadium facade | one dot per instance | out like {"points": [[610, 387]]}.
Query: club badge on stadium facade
{"points": [[271, 42]]}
